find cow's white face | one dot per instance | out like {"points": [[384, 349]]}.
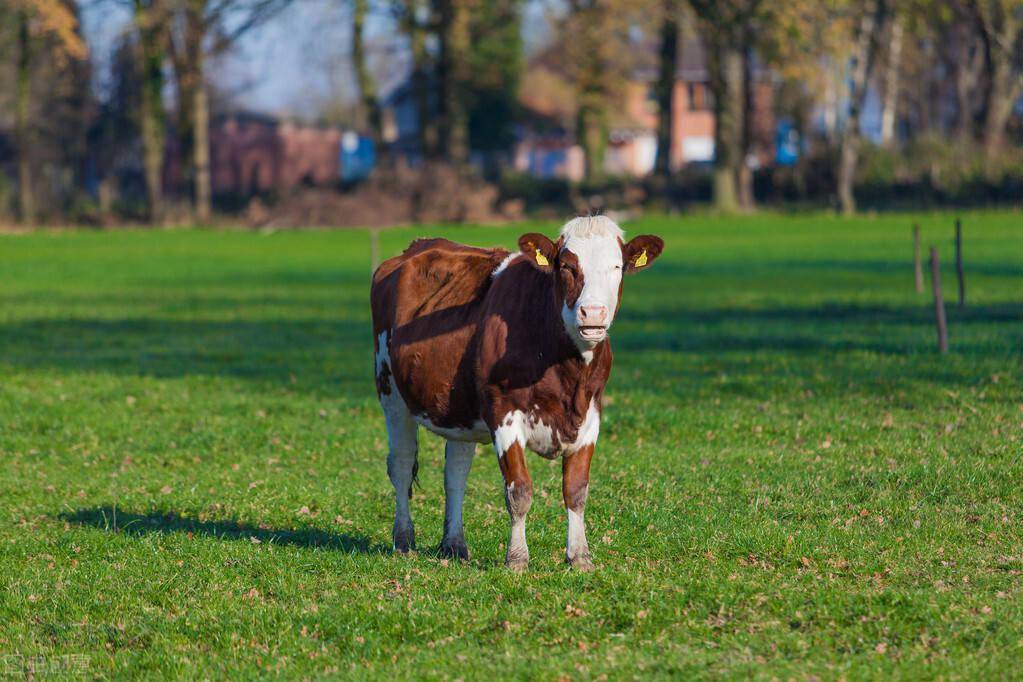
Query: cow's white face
{"points": [[594, 262], [587, 263]]}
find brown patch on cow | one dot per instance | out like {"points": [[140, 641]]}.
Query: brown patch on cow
{"points": [[570, 277], [429, 299], [575, 478]]}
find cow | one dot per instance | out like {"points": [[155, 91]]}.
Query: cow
{"points": [[487, 346]]}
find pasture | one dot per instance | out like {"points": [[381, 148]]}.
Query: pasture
{"points": [[790, 480]]}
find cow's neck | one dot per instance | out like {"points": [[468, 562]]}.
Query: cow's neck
{"points": [[582, 372]]}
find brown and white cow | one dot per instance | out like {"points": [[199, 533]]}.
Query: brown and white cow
{"points": [[481, 345]]}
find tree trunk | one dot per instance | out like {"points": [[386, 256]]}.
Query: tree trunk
{"points": [[999, 28], [592, 134], [201, 146], [743, 169], [454, 46], [666, 88], [22, 131], [968, 69], [1004, 91], [196, 29], [850, 146], [152, 113], [426, 128], [724, 62], [891, 81], [367, 88]]}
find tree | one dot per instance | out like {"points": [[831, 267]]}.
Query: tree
{"points": [[151, 23], [198, 30], [862, 61], [367, 85], [727, 33], [893, 63], [453, 37], [597, 57], [37, 20], [493, 72], [1000, 23], [668, 63]]}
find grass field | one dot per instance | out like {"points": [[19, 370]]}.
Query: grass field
{"points": [[790, 481]]}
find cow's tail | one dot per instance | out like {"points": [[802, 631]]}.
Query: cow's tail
{"points": [[415, 475]]}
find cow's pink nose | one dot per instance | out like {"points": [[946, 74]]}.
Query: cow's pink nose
{"points": [[590, 315]]}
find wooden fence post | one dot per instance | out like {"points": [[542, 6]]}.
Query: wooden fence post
{"points": [[374, 249], [918, 268], [959, 263], [939, 303]]}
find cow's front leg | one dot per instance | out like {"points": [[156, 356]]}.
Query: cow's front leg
{"points": [[575, 485], [518, 496]]}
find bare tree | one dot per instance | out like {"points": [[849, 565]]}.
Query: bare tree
{"points": [[862, 62], [203, 28], [367, 85], [1000, 24], [41, 27]]}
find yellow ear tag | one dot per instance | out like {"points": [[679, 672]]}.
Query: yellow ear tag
{"points": [[641, 261], [541, 259]]}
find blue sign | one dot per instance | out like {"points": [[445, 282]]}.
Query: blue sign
{"points": [[358, 157], [788, 144]]}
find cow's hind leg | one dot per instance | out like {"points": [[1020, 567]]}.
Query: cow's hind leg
{"points": [[457, 462], [402, 465], [403, 448]]}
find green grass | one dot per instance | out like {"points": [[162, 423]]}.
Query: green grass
{"points": [[790, 481]]}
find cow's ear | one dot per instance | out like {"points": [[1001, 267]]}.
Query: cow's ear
{"points": [[641, 251], [539, 250]]}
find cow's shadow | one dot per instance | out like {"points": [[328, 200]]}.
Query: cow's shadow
{"points": [[114, 520]]}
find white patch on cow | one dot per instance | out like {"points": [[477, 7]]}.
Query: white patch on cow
{"points": [[508, 432], [504, 264], [529, 430], [596, 242], [575, 543], [589, 430], [479, 433]]}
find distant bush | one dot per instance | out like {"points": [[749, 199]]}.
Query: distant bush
{"points": [[935, 171]]}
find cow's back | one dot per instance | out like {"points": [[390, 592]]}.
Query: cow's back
{"points": [[426, 304]]}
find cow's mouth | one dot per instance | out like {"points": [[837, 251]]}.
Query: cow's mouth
{"points": [[593, 333]]}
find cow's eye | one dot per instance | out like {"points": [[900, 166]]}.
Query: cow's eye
{"points": [[617, 267]]}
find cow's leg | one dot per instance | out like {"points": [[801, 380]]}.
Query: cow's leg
{"points": [[575, 484], [518, 496], [402, 465], [457, 462]]}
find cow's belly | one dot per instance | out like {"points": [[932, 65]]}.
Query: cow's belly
{"points": [[478, 433]]}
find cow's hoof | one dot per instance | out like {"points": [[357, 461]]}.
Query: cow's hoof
{"points": [[454, 549], [517, 565], [581, 563], [404, 540]]}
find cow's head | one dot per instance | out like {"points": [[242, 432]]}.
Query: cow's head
{"points": [[587, 263]]}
